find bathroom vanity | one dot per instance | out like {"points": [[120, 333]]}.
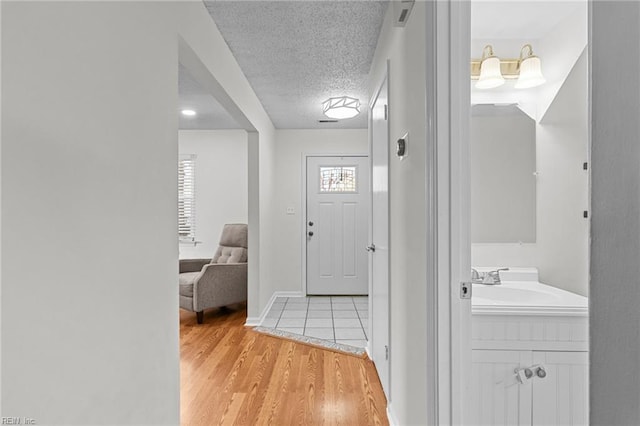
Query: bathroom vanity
{"points": [[530, 353]]}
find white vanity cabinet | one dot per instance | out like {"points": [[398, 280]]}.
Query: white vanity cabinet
{"points": [[562, 397], [558, 398], [497, 397], [506, 339]]}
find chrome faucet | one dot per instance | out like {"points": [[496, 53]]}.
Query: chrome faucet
{"points": [[487, 278]]}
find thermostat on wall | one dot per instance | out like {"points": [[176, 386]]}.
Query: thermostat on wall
{"points": [[401, 146]]}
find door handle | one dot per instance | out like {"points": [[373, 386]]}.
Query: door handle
{"points": [[371, 248], [310, 233]]}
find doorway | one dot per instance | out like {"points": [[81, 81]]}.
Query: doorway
{"points": [[540, 243], [337, 200]]}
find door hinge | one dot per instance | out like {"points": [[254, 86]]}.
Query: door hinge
{"points": [[386, 352], [386, 113], [465, 290]]}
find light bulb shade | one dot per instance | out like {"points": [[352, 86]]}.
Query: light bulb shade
{"points": [[490, 75], [341, 107], [530, 73]]}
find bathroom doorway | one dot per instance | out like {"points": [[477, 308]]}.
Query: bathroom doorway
{"points": [[529, 213]]}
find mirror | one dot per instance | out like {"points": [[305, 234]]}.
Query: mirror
{"points": [[503, 181]]}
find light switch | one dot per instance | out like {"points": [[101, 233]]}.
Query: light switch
{"points": [[291, 210]]}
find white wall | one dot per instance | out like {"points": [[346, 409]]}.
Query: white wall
{"points": [[563, 186], [221, 184], [291, 147], [405, 48], [90, 325], [561, 248], [89, 154], [614, 376]]}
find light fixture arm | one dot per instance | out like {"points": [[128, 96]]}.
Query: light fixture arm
{"points": [[487, 52], [526, 46]]}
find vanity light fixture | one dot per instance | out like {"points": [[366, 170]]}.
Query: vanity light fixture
{"points": [[491, 71], [490, 75], [341, 107], [530, 72]]}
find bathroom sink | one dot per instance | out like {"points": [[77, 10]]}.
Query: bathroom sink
{"points": [[506, 295]]}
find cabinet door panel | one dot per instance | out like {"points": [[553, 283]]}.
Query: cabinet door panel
{"points": [[498, 398], [562, 397]]}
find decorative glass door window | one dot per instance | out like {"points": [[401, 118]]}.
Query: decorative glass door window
{"points": [[338, 179]]}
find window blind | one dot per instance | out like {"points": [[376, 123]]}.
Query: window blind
{"points": [[187, 198]]}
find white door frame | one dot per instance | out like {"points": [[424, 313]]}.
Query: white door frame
{"points": [[447, 213], [303, 209], [374, 98]]}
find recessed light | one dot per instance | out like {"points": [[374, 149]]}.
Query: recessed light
{"points": [[188, 112]]}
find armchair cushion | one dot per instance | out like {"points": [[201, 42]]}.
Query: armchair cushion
{"points": [[233, 245], [234, 235], [230, 255], [186, 281]]}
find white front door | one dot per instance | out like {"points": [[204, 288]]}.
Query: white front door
{"points": [[379, 317], [336, 226]]}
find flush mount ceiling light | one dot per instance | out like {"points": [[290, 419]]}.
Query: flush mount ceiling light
{"points": [[341, 107], [526, 69], [188, 112], [490, 75]]}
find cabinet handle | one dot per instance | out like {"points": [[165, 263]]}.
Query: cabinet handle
{"points": [[542, 373], [523, 374]]}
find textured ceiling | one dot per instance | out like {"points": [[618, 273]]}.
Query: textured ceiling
{"points": [[210, 115], [296, 54]]}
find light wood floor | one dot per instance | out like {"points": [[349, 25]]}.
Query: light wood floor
{"points": [[233, 375]]}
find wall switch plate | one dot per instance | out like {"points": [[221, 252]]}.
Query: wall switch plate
{"points": [[291, 210]]}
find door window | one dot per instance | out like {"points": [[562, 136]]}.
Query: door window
{"points": [[338, 179]]}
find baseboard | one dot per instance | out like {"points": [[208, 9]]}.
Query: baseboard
{"points": [[256, 321], [391, 416], [366, 349]]}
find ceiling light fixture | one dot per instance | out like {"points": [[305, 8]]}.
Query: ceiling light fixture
{"points": [[188, 112], [490, 70], [341, 107], [490, 75]]}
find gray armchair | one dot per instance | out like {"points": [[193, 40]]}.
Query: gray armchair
{"points": [[217, 282]]}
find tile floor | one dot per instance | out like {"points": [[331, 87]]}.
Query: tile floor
{"points": [[339, 319]]}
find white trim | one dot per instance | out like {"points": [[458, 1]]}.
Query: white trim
{"points": [[391, 416], [447, 45], [385, 79], [460, 199], [431, 217], [303, 209], [256, 321]]}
